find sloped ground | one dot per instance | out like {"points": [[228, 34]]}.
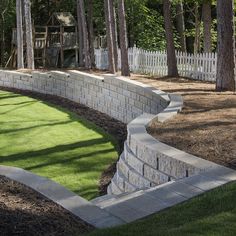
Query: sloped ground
{"points": [[24, 212], [207, 125]]}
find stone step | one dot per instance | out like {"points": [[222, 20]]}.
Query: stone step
{"points": [[117, 199], [98, 200], [142, 203]]}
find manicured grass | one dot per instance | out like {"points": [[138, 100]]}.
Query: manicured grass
{"points": [[53, 142], [213, 213]]}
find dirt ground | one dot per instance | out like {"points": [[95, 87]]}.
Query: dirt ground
{"points": [[23, 212], [206, 127]]}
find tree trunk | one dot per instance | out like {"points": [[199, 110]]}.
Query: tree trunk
{"points": [[86, 53], [181, 25], [20, 41], [197, 28], [111, 58], [114, 32], [171, 57], [131, 27], [225, 78], [91, 32], [80, 34], [29, 35], [123, 39], [2, 40], [206, 17]]}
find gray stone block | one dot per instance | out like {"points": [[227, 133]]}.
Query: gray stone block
{"points": [[155, 176], [138, 180]]}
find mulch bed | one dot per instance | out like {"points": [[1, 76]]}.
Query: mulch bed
{"points": [[24, 212], [110, 125], [206, 127]]}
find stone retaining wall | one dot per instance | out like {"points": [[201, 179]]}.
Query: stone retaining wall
{"points": [[145, 162], [118, 97]]}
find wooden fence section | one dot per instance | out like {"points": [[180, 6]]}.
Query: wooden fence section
{"points": [[197, 66]]}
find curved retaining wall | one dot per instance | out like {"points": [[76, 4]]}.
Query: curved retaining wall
{"points": [[118, 97], [145, 162]]}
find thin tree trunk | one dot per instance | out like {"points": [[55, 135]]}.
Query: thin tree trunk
{"points": [[87, 58], [181, 25], [29, 35], [206, 17], [91, 32], [197, 28], [111, 58], [20, 40], [171, 56], [123, 39], [80, 34], [131, 34], [225, 78], [2, 39], [114, 32]]}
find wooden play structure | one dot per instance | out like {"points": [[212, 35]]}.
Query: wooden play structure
{"points": [[52, 42]]}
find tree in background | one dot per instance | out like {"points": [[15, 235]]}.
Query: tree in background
{"points": [[91, 32], [110, 40], [225, 78], [123, 39], [20, 42], [197, 38], [114, 32], [4, 6], [80, 35], [171, 56], [181, 25], [207, 21], [29, 35], [84, 29]]}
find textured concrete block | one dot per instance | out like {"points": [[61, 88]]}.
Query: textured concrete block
{"points": [[129, 187], [122, 166], [138, 180], [155, 176], [134, 162]]}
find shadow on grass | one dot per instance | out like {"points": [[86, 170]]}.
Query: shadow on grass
{"points": [[6, 131], [19, 107], [52, 150], [68, 160], [15, 104]]}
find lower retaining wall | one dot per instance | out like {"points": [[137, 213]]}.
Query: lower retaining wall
{"points": [[145, 162]]}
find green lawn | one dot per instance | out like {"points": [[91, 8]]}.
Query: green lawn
{"points": [[53, 142], [213, 213]]}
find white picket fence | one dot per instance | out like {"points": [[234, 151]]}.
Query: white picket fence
{"points": [[200, 66]]}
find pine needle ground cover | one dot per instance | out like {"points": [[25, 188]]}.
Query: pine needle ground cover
{"points": [[53, 142]]}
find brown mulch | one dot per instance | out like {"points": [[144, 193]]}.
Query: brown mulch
{"points": [[207, 125], [24, 212], [110, 125]]}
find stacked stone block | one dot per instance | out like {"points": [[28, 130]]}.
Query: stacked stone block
{"points": [[145, 162]]}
